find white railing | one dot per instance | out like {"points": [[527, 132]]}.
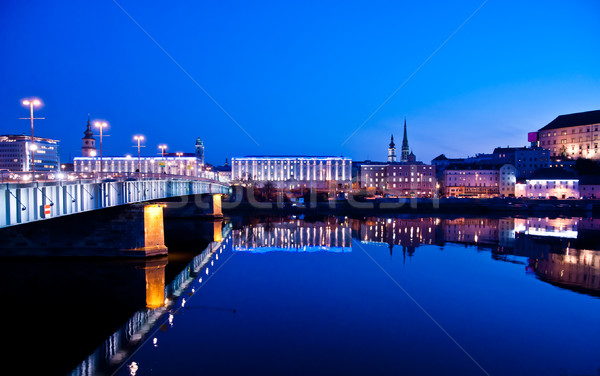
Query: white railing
{"points": [[33, 201]]}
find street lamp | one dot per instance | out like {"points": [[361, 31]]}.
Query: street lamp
{"points": [[179, 154], [139, 139], [101, 125], [162, 150], [32, 147]]}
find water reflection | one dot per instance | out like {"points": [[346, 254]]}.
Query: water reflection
{"points": [[161, 299], [294, 235], [561, 251]]}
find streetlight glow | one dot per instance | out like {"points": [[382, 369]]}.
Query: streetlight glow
{"points": [[101, 125], [30, 103]]}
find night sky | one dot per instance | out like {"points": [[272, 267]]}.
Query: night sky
{"points": [[298, 77]]}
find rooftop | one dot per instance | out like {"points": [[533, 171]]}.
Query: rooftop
{"points": [[551, 173], [573, 120]]}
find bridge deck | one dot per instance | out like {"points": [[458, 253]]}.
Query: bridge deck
{"points": [[24, 203]]}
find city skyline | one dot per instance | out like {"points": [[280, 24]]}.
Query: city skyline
{"points": [[477, 75]]}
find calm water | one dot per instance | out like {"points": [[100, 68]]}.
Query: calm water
{"points": [[410, 296], [385, 296]]}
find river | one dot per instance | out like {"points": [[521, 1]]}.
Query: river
{"points": [[320, 295]]}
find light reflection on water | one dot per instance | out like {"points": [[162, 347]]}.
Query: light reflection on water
{"points": [[561, 252]]}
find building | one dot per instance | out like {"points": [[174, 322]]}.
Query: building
{"points": [[200, 150], [476, 180], [589, 187], [88, 147], [508, 180], [572, 136], [397, 179], [223, 172], [173, 164], [15, 153], [392, 151], [147, 166], [549, 183], [294, 172], [529, 160]]}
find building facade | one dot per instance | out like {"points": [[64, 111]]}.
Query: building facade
{"points": [[15, 153], [477, 181], [529, 160], [294, 172], [146, 166], [548, 188], [402, 180], [572, 136], [508, 180]]}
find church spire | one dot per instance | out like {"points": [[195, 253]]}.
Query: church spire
{"points": [[392, 151], [88, 148], [405, 148]]}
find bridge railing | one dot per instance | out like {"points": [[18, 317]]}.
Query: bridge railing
{"points": [[25, 177], [33, 201]]}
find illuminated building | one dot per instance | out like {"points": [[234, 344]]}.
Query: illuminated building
{"points": [[180, 164], [404, 180], [15, 153], [549, 183], [200, 150], [508, 180], [476, 180], [294, 172], [392, 151], [572, 136]]}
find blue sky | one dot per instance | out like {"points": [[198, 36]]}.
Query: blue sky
{"points": [[298, 77]]}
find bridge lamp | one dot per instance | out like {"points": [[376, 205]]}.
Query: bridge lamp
{"points": [[34, 102], [162, 148], [139, 139]]}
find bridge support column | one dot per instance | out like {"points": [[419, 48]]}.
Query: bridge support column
{"points": [[216, 205], [154, 233]]}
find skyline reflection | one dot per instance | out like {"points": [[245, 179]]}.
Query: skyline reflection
{"points": [[294, 235], [562, 251]]}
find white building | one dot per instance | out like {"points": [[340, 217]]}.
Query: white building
{"points": [[561, 188], [15, 153], [508, 180], [146, 166], [294, 172]]}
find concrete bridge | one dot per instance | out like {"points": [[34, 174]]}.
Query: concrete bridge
{"points": [[30, 202]]}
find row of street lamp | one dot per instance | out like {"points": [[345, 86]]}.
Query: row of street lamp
{"points": [[34, 102]]}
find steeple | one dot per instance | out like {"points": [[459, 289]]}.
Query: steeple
{"points": [[392, 151], [88, 148], [89, 134], [200, 150], [405, 148]]}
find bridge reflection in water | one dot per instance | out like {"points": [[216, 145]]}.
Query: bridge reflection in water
{"points": [[160, 300], [562, 251]]}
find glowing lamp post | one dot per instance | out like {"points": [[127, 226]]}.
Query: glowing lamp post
{"points": [[179, 154], [162, 150], [101, 125], [139, 139], [31, 103]]}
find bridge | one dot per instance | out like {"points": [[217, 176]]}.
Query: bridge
{"points": [[35, 201]]}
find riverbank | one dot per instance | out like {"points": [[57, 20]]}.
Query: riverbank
{"points": [[421, 205]]}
